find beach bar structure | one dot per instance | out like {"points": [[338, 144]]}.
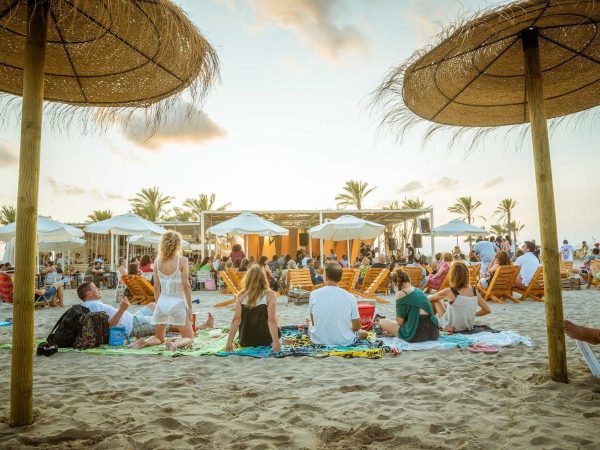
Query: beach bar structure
{"points": [[298, 222]]}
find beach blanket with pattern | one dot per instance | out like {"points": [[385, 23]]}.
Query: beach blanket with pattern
{"points": [[212, 342]]}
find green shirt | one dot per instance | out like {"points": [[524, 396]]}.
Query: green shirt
{"points": [[409, 307]]}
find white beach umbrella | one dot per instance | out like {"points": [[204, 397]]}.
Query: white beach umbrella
{"points": [[47, 230], [128, 224], [152, 241], [66, 245], [247, 223], [458, 228], [345, 228]]}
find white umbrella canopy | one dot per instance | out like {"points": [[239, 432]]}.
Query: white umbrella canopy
{"points": [[152, 241], [47, 230], [126, 224], [248, 223], [347, 227], [458, 228], [66, 245]]}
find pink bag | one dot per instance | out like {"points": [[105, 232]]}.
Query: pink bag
{"points": [[209, 285]]}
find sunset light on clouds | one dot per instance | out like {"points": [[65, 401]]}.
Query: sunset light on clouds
{"points": [[290, 122]]}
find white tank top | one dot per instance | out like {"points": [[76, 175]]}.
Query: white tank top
{"points": [[460, 314], [170, 285]]}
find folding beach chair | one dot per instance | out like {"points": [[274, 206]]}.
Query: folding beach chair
{"points": [[595, 268], [566, 268], [501, 285], [231, 287], [141, 290], [370, 275], [589, 357], [415, 274], [349, 278], [535, 290], [474, 270], [235, 276], [300, 278], [369, 292]]}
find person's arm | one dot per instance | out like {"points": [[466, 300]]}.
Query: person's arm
{"points": [[187, 289], [272, 320], [484, 308], [440, 295], [235, 323], [441, 271], [114, 320], [356, 325]]}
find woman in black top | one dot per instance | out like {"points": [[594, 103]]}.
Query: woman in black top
{"points": [[255, 313]]}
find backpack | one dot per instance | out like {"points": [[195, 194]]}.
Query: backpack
{"points": [[68, 327], [94, 331]]}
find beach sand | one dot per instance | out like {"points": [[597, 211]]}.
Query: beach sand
{"points": [[441, 399]]}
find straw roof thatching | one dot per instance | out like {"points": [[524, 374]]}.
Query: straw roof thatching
{"points": [[115, 55], [472, 75]]}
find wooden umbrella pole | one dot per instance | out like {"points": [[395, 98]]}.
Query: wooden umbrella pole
{"points": [[21, 394], [557, 355]]}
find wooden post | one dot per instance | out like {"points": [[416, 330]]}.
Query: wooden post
{"points": [[557, 355], [21, 393]]}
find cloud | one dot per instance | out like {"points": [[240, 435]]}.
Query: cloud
{"points": [[411, 186], [493, 182], [419, 14], [8, 157], [447, 183], [63, 188], [98, 195], [184, 123], [314, 21]]}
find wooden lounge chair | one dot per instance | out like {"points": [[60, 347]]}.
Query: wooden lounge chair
{"points": [[349, 278], [594, 268], [370, 275], [140, 288], [535, 290], [300, 278], [501, 285], [231, 287], [415, 274], [474, 270], [235, 276], [566, 268], [369, 292]]}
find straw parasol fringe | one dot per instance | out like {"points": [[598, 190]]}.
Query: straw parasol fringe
{"points": [[190, 71], [397, 119]]}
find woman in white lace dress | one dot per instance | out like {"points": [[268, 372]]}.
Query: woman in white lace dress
{"points": [[174, 294]]}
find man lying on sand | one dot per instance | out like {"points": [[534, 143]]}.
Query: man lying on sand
{"points": [[140, 324], [581, 333]]}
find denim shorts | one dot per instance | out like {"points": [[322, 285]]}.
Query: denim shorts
{"points": [[143, 323]]}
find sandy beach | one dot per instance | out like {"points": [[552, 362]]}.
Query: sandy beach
{"points": [[442, 399]]}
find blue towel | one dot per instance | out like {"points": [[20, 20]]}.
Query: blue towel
{"points": [[5, 324]]}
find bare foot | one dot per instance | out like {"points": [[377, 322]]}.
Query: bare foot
{"points": [[210, 323], [140, 343], [589, 335], [171, 346]]}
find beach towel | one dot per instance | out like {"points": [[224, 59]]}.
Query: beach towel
{"points": [[446, 341], [5, 323], [590, 357]]}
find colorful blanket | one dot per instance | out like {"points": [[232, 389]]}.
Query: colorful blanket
{"points": [[297, 343]]}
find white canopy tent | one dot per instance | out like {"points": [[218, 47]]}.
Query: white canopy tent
{"points": [[245, 224], [49, 232], [128, 224], [345, 228], [152, 241], [458, 228]]}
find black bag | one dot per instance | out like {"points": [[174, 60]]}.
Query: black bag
{"points": [[68, 327], [94, 331]]}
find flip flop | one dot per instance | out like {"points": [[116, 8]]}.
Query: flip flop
{"points": [[483, 348]]}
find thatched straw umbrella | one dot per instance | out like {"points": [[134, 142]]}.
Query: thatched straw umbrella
{"points": [[113, 56], [519, 63]]}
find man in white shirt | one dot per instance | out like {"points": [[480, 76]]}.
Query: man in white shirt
{"points": [[566, 252], [334, 316], [528, 264]]}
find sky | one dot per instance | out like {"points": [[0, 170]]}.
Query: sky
{"points": [[289, 123]]}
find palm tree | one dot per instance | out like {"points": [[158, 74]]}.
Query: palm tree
{"points": [[355, 193], [100, 214], [412, 203], [465, 207], [8, 214], [505, 209], [150, 204], [203, 203], [498, 229], [515, 227], [181, 215]]}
